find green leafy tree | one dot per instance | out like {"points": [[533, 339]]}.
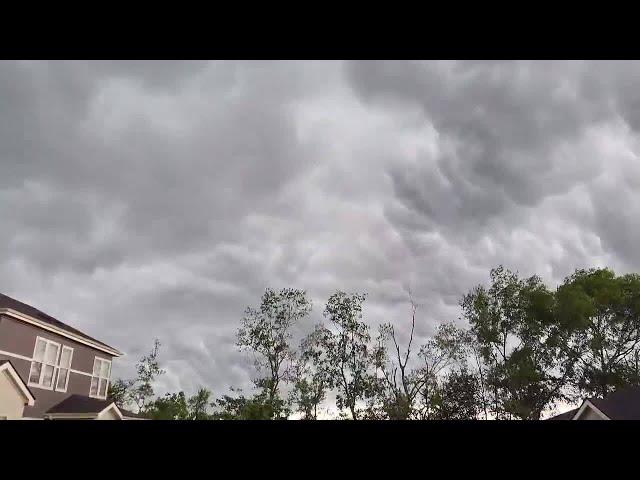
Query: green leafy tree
{"points": [[173, 406], [438, 355], [176, 406], [138, 391], [520, 342], [266, 333], [148, 369], [631, 368], [478, 368], [343, 352], [309, 381], [257, 407], [601, 312], [119, 392], [457, 397], [198, 405]]}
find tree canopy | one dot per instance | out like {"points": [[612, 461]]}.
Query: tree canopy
{"points": [[517, 350]]}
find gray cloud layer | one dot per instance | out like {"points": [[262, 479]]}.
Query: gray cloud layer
{"points": [[159, 199]]}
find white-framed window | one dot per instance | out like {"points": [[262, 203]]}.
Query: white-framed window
{"points": [[43, 366], [64, 366], [100, 378]]}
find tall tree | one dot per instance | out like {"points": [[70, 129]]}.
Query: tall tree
{"points": [[343, 352], [119, 392], [198, 405], [310, 382], [438, 355], [138, 391], [519, 341], [266, 332], [398, 386], [631, 368], [406, 383], [148, 369], [476, 365], [457, 397], [601, 311], [173, 406], [241, 407], [176, 406]]}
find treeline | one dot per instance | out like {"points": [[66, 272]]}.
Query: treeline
{"points": [[523, 348]]}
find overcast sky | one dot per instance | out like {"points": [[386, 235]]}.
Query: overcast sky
{"points": [[159, 199]]}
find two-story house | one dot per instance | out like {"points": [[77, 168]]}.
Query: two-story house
{"points": [[50, 370]]}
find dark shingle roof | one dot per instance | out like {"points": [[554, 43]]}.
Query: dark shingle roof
{"points": [[623, 404], [564, 416], [87, 405], [80, 404], [8, 302]]}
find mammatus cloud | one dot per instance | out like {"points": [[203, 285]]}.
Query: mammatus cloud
{"points": [[159, 199]]}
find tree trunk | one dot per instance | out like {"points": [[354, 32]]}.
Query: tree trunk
{"points": [[354, 415]]}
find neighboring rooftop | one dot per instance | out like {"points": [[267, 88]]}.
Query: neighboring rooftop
{"points": [[568, 415], [13, 304], [622, 404], [80, 404]]}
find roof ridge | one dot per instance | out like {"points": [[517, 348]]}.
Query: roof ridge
{"points": [[26, 309]]}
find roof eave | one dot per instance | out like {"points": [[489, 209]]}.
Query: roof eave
{"points": [[71, 416], [46, 326]]}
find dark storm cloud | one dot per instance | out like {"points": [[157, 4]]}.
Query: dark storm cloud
{"points": [[159, 199], [502, 124], [512, 135]]}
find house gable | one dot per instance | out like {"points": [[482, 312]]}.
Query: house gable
{"points": [[588, 411], [110, 413], [14, 394]]}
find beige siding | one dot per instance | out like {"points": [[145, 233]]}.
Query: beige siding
{"points": [[11, 398], [108, 415]]}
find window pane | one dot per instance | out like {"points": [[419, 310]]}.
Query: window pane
{"points": [[96, 367], [40, 347], [65, 358], [104, 370], [62, 379], [51, 356], [34, 375], [94, 387], [47, 376], [103, 387]]}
